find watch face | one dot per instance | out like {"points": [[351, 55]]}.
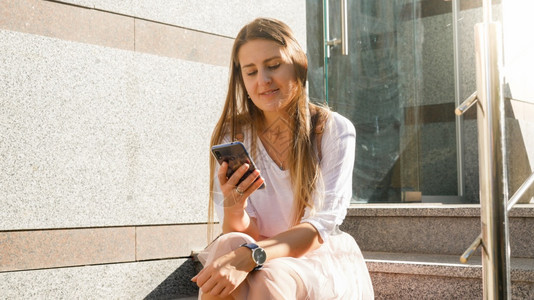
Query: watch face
{"points": [[259, 256]]}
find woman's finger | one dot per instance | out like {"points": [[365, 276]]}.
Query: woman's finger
{"points": [[217, 289], [222, 173], [253, 187], [256, 184], [234, 179], [245, 184], [240, 193], [208, 286], [226, 291], [200, 278]]}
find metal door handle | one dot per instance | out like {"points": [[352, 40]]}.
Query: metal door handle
{"points": [[344, 41]]}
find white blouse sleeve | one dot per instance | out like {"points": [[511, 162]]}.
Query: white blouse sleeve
{"points": [[333, 196]]}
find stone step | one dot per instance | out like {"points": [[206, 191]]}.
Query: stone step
{"points": [[431, 276], [431, 228], [413, 250]]}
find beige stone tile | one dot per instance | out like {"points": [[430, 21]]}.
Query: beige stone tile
{"points": [[67, 22], [86, 25], [528, 111], [170, 241], [522, 110], [171, 41], [517, 109], [23, 250]]}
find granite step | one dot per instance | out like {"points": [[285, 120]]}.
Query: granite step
{"points": [[431, 276], [431, 228], [413, 250]]}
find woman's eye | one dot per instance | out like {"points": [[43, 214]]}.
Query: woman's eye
{"points": [[251, 73], [272, 67]]}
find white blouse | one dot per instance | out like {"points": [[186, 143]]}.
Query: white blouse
{"points": [[272, 205]]}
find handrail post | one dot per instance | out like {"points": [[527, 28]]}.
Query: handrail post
{"points": [[493, 188]]}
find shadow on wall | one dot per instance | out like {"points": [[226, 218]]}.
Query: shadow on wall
{"points": [[178, 284]]}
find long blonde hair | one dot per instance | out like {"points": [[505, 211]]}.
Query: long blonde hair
{"points": [[305, 117]]}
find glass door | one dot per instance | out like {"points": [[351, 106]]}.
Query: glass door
{"points": [[399, 85]]}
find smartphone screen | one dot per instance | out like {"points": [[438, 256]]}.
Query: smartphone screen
{"points": [[236, 155]]}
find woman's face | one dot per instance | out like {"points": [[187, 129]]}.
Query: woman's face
{"points": [[268, 74]]}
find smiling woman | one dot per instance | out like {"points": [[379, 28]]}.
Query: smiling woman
{"points": [[282, 241], [268, 75]]}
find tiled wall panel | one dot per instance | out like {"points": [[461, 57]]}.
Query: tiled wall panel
{"points": [[23, 250], [163, 40], [156, 242], [213, 16], [97, 136], [45, 249], [67, 22]]}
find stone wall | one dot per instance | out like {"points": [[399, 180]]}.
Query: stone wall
{"points": [[106, 110]]}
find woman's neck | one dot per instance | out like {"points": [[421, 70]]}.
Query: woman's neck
{"points": [[270, 118], [276, 137]]}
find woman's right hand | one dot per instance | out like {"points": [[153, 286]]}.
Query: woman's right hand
{"points": [[225, 274], [235, 195]]}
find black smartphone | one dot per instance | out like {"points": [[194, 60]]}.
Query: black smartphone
{"points": [[236, 155]]}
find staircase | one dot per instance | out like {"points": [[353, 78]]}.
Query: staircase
{"points": [[412, 250]]}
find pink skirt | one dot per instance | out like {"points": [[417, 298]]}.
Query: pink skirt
{"points": [[336, 270]]}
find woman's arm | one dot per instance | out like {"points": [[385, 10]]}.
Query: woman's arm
{"points": [[235, 217], [225, 273], [294, 242]]}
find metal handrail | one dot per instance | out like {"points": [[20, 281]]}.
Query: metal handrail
{"points": [[520, 192], [492, 149], [515, 198], [470, 101]]}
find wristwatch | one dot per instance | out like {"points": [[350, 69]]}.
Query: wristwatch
{"points": [[258, 255]]}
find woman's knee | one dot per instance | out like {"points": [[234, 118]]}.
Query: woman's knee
{"points": [[236, 238], [276, 283], [222, 245]]}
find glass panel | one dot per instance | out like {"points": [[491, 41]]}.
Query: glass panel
{"points": [[469, 14], [397, 86]]}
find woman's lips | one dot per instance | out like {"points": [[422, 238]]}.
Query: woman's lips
{"points": [[269, 92]]}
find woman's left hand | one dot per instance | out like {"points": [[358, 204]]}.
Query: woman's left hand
{"points": [[226, 273]]}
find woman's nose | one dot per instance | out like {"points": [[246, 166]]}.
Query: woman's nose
{"points": [[265, 77]]}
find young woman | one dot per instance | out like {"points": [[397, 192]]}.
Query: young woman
{"points": [[281, 241]]}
